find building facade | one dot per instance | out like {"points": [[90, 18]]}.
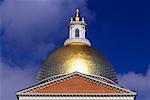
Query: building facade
{"points": [[76, 71]]}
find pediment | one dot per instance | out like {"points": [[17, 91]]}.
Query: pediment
{"points": [[75, 83]]}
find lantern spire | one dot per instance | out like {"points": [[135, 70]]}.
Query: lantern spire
{"points": [[77, 18]]}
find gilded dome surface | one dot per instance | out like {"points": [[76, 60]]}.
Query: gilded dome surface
{"points": [[76, 57]]}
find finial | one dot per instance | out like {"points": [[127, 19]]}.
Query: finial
{"points": [[77, 12], [77, 15]]}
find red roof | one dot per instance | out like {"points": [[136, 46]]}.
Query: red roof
{"points": [[76, 85]]}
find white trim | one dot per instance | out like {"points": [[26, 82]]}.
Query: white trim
{"points": [[101, 78], [78, 94], [90, 75], [75, 22], [51, 77], [76, 40]]}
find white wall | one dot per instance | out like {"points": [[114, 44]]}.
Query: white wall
{"points": [[76, 98]]}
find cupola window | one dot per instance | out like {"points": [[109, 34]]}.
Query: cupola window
{"points": [[77, 33]]}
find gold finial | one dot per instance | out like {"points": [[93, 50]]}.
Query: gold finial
{"points": [[77, 15], [77, 12]]}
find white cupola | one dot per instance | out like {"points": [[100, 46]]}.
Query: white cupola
{"points": [[77, 30]]}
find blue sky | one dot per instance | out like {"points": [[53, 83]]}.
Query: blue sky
{"points": [[32, 29], [122, 32]]}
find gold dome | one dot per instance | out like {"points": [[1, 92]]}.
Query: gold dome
{"points": [[76, 57]]}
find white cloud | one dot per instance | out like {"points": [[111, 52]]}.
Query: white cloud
{"points": [[14, 79], [137, 82], [28, 25], [30, 29]]}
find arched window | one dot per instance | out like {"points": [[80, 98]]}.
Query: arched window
{"points": [[77, 33]]}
